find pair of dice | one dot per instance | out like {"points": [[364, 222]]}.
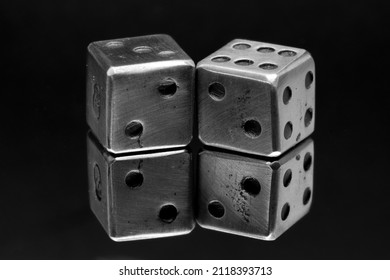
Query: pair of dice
{"points": [[254, 99]]}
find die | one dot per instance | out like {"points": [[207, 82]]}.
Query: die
{"points": [[256, 98], [140, 196], [140, 93], [252, 197]]}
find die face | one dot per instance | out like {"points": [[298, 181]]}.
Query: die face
{"points": [[296, 102], [251, 59], [274, 66], [147, 87], [293, 191], [234, 112], [127, 52], [159, 206], [141, 196], [98, 181], [165, 118], [253, 197], [234, 194], [96, 99]]}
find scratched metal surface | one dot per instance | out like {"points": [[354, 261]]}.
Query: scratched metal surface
{"points": [[249, 91], [123, 80], [123, 52], [247, 214], [220, 175], [221, 122], [134, 213], [301, 184]]}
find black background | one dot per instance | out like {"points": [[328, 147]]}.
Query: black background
{"points": [[44, 209]]}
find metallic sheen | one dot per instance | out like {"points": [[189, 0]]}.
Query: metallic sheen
{"points": [[250, 209], [251, 109], [140, 207], [148, 80]]}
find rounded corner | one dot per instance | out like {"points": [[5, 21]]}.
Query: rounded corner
{"points": [[274, 165], [202, 140], [115, 239]]}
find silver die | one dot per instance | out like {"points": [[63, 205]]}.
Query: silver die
{"points": [[141, 196], [253, 197], [140, 93], [256, 98]]}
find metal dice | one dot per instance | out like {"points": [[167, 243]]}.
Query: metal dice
{"points": [[141, 196], [140, 93], [256, 107], [256, 97], [254, 197]]}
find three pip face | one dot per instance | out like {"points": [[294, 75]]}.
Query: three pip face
{"points": [[256, 109]]}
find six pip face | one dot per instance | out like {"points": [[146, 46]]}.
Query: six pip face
{"points": [[253, 97]]}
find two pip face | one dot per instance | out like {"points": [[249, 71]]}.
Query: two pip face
{"points": [[255, 102]]}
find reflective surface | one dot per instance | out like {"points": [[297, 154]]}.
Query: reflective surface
{"points": [[141, 196], [254, 197], [44, 210]]}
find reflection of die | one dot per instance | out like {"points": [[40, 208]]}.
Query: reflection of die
{"points": [[252, 197], [140, 93], [141, 196], [256, 97]]}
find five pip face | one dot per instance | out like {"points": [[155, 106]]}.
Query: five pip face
{"points": [[254, 98]]}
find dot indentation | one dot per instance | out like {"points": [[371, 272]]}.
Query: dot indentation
{"points": [[220, 59], [167, 87], [251, 186], [216, 91], [143, 49], [308, 116], [287, 178], [306, 196], [307, 161], [134, 129], [168, 213], [285, 211], [134, 179], [309, 78], [268, 66], [288, 129], [244, 62], [252, 128], [241, 46], [287, 94], [216, 209], [265, 50], [114, 44], [166, 53], [287, 53]]}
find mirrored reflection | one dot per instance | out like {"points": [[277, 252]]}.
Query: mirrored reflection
{"points": [[149, 195], [140, 196], [252, 196]]}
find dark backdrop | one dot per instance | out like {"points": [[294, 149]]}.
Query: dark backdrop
{"points": [[44, 209]]}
